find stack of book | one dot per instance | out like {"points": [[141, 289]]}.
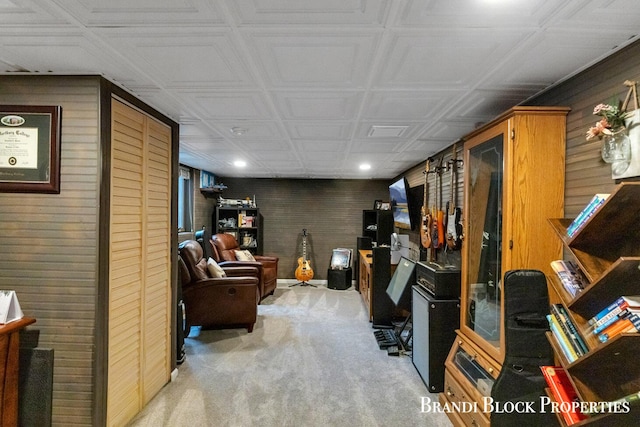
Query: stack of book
{"points": [[563, 393], [566, 333], [571, 277], [621, 316], [597, 201]]}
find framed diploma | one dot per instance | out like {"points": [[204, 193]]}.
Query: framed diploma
{"points": [[30, 149]]}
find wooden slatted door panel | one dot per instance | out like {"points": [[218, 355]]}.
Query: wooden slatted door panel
{"points": [[139, 290], [125, 264], [157, 297]]}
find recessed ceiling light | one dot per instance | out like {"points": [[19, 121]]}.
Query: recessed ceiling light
{"points": [[365, 167], [238, 131], [239, 163]]}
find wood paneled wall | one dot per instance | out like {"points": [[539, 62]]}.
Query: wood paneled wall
{"points": [[330, 210], [54, 247], [586, 173], [49, 242]]}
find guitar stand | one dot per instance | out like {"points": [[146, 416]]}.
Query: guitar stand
{"points": [[302, 284]]}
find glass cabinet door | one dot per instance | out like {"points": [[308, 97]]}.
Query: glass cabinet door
{"points": [[483, 240]]}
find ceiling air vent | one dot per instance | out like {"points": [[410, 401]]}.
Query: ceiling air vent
{"points": [[386, 131]]}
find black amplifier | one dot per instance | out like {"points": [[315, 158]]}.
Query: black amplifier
{"points": [[440, 281]]}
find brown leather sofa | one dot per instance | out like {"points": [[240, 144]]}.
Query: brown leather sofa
{"points": [[224, 246], [216, 302]]}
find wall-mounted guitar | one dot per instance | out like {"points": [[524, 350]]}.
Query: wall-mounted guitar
{"points": [[304, 272], [454, 226], [437, 228], [425, 225]]}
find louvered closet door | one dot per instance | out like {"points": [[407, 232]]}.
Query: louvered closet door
{"points": [[140, 269]]}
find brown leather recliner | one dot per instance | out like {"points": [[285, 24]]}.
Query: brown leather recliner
{"points": [[213, 302], [224, 246]]}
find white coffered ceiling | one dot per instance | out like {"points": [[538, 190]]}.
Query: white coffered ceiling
{"points": [[305, 80]]}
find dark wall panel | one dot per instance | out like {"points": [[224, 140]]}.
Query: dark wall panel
{"points": [[330, 210]]}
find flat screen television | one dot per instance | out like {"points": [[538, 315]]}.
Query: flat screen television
{"points": [[399, 201], [399, 288]]}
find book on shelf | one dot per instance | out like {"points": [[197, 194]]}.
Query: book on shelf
{"points": [[569, 329], [630, 323], [246, 221], [571, 277], [563, 393], [597, 201], [562, 340], [610, 320], [613, 309], [604, 407]]}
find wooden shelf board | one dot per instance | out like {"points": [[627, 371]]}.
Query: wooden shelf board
{"points": [[614, 223], [621, 278], [614, 381]]}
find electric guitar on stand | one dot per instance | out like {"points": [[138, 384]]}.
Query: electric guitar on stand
{"points": [[304, 272], [425, 226]]}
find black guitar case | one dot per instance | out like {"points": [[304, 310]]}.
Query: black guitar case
{"points": [[526, 304]]}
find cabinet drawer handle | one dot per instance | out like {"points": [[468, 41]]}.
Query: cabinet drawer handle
{"points": [[449, 392], [491, 370]]}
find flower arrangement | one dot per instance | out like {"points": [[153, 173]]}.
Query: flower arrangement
{"points": [[612, 120]]}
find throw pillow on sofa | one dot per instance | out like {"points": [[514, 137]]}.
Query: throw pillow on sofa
{"points": [[244, 256], [214, 269]]}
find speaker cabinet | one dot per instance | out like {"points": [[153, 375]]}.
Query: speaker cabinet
{"points": [[434, 325], [381, 305]]}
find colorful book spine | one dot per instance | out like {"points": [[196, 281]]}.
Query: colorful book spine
{"points": [[586, 213], [613, 309], [605, 311], [569, 329], [562, 340], [631, 323], [570, 276], [610, 320], [563, 393]]}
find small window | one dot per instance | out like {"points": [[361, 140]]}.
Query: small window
{"points": [[185, 199]]}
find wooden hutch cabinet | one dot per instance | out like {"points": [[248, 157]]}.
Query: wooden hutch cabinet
{"points": [[513, 181]]}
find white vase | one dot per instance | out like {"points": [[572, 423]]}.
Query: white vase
{"points": [[616, 146]]}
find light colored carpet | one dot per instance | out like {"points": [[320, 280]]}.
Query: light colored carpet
{"points": [[312, 360]]}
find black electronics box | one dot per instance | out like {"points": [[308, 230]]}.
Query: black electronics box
{"points": [[440, 281], [339, 278]]}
